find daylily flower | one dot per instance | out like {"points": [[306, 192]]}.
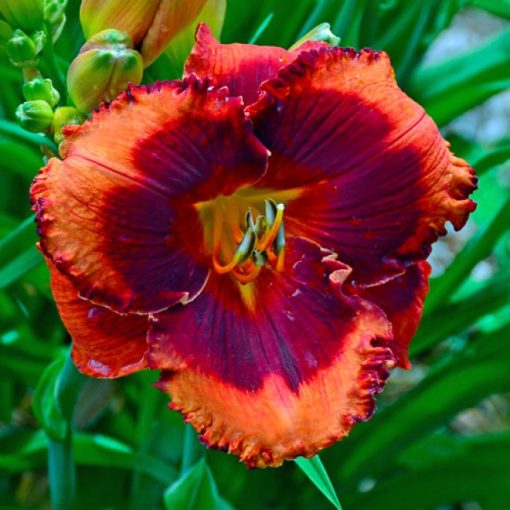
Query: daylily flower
{"points": [[258, 232]]}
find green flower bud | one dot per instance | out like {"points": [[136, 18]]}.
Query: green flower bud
{"points": [[105, 66], [54, 14], [35, 116], [23, 50], [64, 116], [152, 24], [53, 10], [322, 33], [41, 89], [28, 15]]}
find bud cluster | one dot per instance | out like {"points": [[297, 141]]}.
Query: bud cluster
{"points": [[121, 40]]}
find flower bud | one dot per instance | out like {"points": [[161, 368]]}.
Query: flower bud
{"points": [[322, 33], [105, 66], [22, 49], [35, 116], [54, 14], [180, 47], [64, 116], [28, 15], [152, 24], [39, 88]]}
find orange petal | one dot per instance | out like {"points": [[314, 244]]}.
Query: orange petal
{"points": [[105, 344], [375, 181], [116, 215], [275, 369], [402, 300]]}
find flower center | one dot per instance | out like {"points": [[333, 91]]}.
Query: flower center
{"points": [[243, 233]]}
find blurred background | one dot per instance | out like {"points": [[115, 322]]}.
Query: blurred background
{"points": [[441, 436]]}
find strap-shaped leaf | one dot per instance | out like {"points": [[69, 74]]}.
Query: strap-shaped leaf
{"points": [[195, 490], [445, 470], [314, 469], [456, 383], [455, 85]]}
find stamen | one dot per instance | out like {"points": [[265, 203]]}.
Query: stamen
{"points": [[279, 243], [280, 261], [248, 277], [262, 241], [270, 236], [243, 251]]}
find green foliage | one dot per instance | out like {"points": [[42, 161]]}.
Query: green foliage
{"points": [[195, 490], [316, 472], [128, 451]]}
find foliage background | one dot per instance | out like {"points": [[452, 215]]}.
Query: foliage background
{"points": [[441, 436]]}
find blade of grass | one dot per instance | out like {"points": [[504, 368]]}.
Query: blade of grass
{"points": [[18, 240], [261, 28], [320, 14], [19, 266], [314, 469], [347, 24]]}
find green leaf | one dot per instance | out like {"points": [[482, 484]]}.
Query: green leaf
{"points": [[455, 85], [454, 318], [491, 158], [454, 384], [478, 248], [20, 266], [316, 472], [18, 254], [20, 239], [20, 159], [480, 466], [195, 490], [498, 7], [96, 450], [261, 28]]}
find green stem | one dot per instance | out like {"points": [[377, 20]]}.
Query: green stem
{"points": [[61, 466], [192, 450], [11, 129], [147, 416], [57, 73]]}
